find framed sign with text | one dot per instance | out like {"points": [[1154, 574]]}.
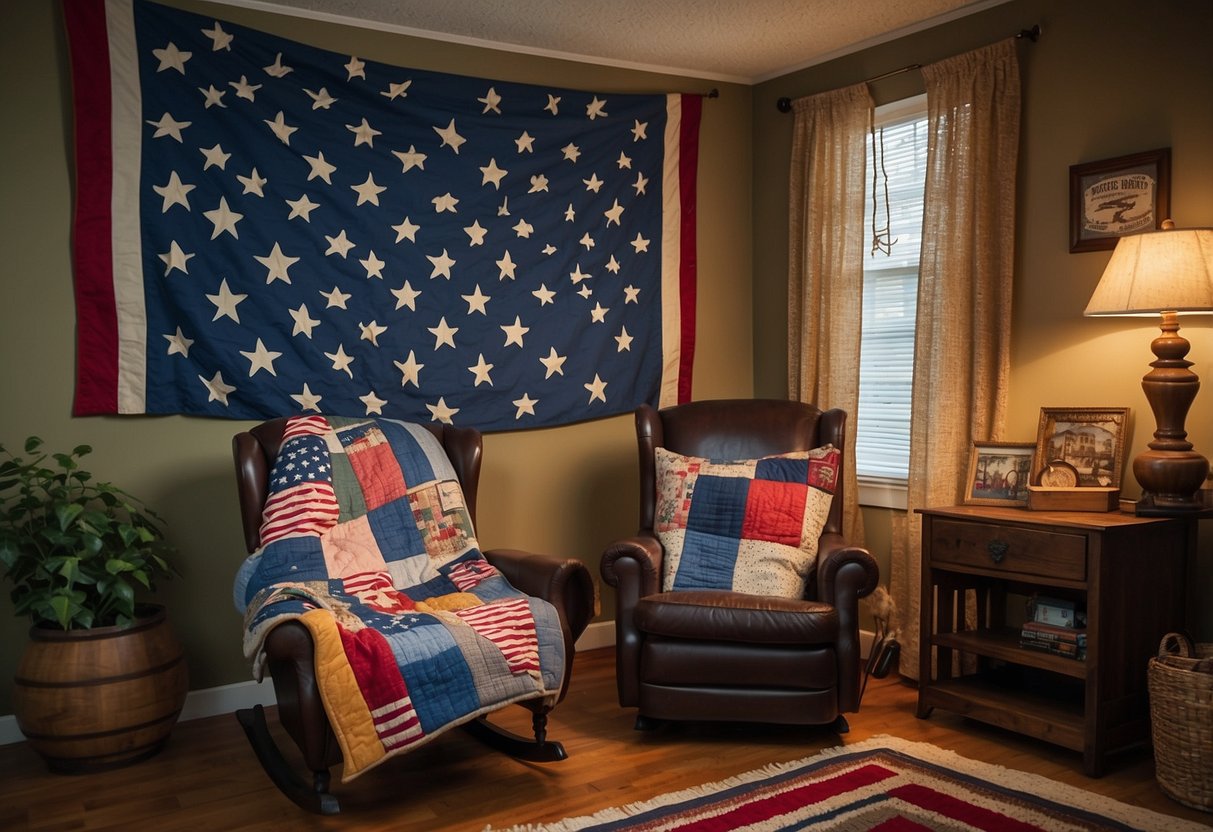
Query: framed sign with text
{"points": [[1115, 197]]}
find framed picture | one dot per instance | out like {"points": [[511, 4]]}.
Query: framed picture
{"points": [[1115, 197], [1089, 441], [999, 473]]}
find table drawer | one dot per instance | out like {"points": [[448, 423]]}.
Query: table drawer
{"points": [[1009, 549]]}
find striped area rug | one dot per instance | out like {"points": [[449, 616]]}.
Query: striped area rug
{"points": [[882, 784]]}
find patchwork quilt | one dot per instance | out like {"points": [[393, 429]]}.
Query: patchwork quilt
{"points": [[367, 542]]}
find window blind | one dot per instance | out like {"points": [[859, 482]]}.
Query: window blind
{"points": [[890, 290]]}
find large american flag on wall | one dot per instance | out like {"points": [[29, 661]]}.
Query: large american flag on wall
{"points": [[265, 228]]}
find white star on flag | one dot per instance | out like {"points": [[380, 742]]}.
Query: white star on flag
{"points": [[597, 389], [219, 38], [226, 302], [178, 344], [515, 331], [525, 405], [169, 126], [374, 404], [175, 192], [171, 58], [442, 413], [277, 263], [217, 390], [261, 358]]}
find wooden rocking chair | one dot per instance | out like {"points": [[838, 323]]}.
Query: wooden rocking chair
{"points": [[289, 650]]}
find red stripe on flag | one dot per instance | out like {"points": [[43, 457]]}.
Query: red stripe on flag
{"points": [[366, 582], [305, 426], [310, 508], [92, 246], [688, 167], [471, 573], [510, 626]]}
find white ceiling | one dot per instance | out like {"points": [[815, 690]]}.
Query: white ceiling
{"points": [[740, 41]]}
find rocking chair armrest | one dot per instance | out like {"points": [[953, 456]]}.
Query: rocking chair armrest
{"points": [[564, 582], [290, 659]]}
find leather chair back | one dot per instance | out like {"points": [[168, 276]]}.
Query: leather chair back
{"points": [[735, 429]]}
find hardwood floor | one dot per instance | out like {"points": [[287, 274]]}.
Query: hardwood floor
{"points": [[208, 779]]}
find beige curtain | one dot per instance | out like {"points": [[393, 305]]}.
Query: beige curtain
{"points": [[825, 263], [962, 344]]}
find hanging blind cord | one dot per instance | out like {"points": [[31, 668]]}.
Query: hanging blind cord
{"points": [[880, 236]]}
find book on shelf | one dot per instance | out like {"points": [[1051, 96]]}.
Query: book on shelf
{"points": [[1068, 649], [1052, 632]]}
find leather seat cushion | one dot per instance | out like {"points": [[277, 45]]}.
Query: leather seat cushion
{"points": [[731, 665], [721, 615]]}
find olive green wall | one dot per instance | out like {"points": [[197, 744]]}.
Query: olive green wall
{"points": [[1106, 79], [565, 490]]}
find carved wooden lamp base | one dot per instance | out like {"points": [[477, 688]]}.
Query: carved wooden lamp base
{"points": [[1170, 472]]}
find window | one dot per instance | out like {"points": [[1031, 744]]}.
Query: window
{"points": [[890, 290]]}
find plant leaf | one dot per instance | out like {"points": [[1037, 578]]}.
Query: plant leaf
{"points": [[62, 608], [67, 514]]}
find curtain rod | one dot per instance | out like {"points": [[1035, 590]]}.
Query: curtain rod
{"points": [[784, 105]]}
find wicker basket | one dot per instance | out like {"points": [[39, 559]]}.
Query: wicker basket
{"points": [[1181, 712]]}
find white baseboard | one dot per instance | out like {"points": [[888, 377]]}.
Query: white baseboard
{"points": [[599, 634], [227, 699]]}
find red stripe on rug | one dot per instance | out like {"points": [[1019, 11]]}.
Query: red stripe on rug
{"points": [[961, 810], [783, 801], [900, 824]]}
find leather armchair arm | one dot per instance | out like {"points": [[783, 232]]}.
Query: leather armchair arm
{"points": [[633, 566], [833, 554], [845, 574], [645, 555]]}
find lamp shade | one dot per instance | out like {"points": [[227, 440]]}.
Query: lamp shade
{"points": [[1158, 271]]}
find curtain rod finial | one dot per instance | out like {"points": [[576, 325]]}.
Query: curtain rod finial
{"points": [[784, 105], [1032, 34]]}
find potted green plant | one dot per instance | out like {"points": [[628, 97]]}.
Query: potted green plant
{"points": [[103, 679]]}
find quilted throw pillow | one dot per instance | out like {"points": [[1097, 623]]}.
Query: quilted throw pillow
{"points": [[748, 525]]}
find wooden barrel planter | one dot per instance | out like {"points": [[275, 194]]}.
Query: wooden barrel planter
{"points": [[101, 698]]}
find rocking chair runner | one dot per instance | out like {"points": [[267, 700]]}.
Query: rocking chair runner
{"points": [[289, 650]]}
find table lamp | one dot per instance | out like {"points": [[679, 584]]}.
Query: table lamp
{"points": [[1167, 273]]}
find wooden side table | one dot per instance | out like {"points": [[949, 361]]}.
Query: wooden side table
{"points": [[1128, 572]]}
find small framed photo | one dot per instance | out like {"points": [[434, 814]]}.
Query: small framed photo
{"points": [[999, 473], [1088, 440], [1115, 197]]}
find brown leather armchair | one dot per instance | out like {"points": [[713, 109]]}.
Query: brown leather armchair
{"points": [[564, 582], [723, 655]]}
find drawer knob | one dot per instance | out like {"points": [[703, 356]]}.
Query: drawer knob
{"points": [[997, 550]]}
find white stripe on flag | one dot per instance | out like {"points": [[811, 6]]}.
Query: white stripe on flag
{"points": [[671, 254], [125, 225]]}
